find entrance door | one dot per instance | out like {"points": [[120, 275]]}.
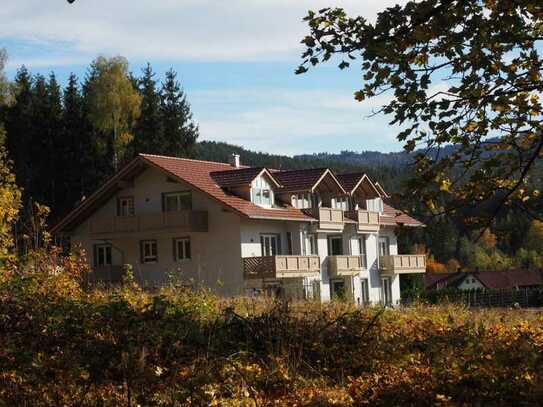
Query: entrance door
{"points": [[270, 245], [335, 245], [387, 291]]}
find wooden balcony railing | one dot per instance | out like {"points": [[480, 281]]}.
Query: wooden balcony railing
{"points": [[274, 267], [329, 218], [339, 266], [403, 264], [188, 221], [367, 221]]}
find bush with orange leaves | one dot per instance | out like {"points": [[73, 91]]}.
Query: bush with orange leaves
{"points": [[65, 345]]}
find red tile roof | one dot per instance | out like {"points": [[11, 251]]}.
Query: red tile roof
{"points": [[495, 280], [211, 178], [302, 180], [237, 176], [392, 216], [198, 174]]}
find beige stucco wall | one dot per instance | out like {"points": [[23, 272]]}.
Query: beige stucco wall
{"points": [[216, 254]]}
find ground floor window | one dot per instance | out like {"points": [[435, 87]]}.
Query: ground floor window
{"points": [[386, 291], [337, 289], [102, 255], [149, 251], [182, 249], [365, 291]]}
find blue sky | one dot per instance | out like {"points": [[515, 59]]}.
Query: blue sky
{"points": [[235, 59]]}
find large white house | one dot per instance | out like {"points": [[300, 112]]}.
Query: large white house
{"points": [[244, 230]]}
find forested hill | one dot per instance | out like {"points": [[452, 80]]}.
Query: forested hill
{"points": [[388, 168]]}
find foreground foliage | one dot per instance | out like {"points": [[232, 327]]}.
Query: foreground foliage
{"points": [[62, 345]]}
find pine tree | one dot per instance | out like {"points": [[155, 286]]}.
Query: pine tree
{"points": [[19, 127], [180, 131], [148, 134]]}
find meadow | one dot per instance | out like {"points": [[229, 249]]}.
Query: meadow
{"points": [[66, 345]]}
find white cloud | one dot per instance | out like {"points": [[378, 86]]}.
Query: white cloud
{"points": [[171, 29], [291, 121]]}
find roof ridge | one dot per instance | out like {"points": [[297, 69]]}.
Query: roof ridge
{"points": [[189, 159]]}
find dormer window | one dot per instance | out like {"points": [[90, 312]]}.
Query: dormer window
{"points": [[302, 200], [261, 192], [341, 203], [374, 205]]}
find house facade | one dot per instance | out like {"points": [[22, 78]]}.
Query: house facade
{"points": [[244, 230]]}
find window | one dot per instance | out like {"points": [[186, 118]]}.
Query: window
{"points": [[148, 251], [102, 255], [289, 243], [182, 249], [125, 206], [270, 244], [384, 246], [338, 289], [261, 192], [341, 203], [312, 244], [303, 200], [365, 290], [176, 201], [374, 205], [386, 291], [363, 252], [335, 245]]}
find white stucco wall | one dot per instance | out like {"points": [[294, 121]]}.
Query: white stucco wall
{"points": [[216, 254]]}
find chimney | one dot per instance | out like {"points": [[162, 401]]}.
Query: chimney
{"points": [[235, 161]]}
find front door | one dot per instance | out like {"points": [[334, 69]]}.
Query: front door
{"points": [[335, 245], [270, 245]]}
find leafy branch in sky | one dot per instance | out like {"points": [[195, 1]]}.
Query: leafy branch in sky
{"points": [[465, 73]]}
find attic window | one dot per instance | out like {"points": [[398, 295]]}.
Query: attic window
{"points": [[261, 192]]}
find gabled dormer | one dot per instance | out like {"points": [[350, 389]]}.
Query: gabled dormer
{"points": [[311, 188], [364, 193], [257, 185]]}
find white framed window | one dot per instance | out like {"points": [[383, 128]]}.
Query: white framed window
{"points": [[386, 291], [341, 203], [375, 205], [363, 252], [365, 291], [125, 206], [261, 192], [384, 246], [313, 248], [102, 255], [182, 249], [270, 244], [176, 201], [149, 252], [304, 200]]}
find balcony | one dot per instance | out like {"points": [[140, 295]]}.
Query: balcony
{"points": [[187, 221], [367, 221], [275, 267], [340, 266], [329, 218], [402, 264], [106, 274]]}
